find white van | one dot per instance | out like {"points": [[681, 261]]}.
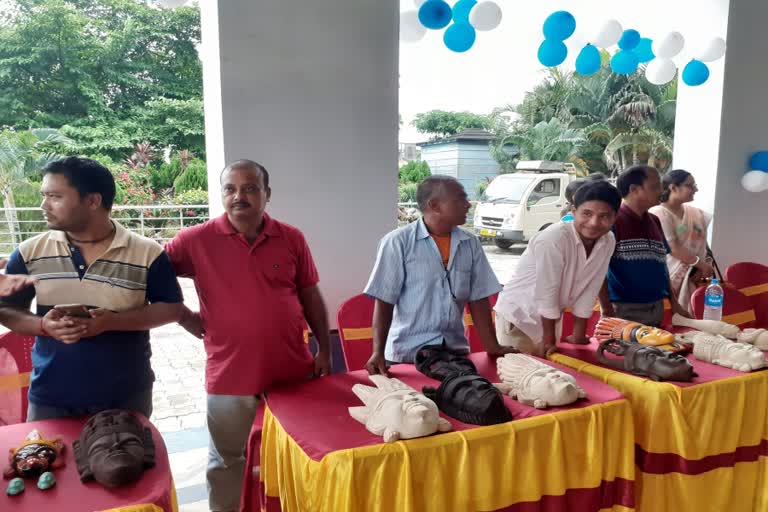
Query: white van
{"points": [[516, 206]]}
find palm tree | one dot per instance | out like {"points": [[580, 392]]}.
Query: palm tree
{"points": [[547, 140], [22, 155]]}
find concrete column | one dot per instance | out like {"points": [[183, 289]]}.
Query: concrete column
{"points": [[309, 90], [720, 124]]}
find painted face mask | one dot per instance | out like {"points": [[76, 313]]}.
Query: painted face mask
{"points": [[114, 448], [35, 456], [616, 328], [646, 361]]}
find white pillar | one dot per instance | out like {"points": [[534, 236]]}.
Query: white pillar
{"points": [[309, 90], [720, 124]]}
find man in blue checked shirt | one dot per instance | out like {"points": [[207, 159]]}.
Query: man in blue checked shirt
{"points": [[424, 275]]}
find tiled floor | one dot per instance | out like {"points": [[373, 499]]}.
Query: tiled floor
{"points": [[179, 408]]}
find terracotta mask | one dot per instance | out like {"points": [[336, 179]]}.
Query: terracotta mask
{"points": [[35, 456], [616, 328], [396, 411], [646, 361], [114, 448], [535, 383], [470, 398]]}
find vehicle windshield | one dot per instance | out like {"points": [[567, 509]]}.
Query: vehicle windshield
{"points": [[506, 190]]}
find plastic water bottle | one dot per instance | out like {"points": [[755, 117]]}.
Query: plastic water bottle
{"points": [[713, 302]]}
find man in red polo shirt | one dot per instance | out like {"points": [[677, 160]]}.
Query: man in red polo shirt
{"points": [[257, 283]]}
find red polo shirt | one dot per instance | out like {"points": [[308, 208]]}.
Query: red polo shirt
{"points": [[249, 302]]}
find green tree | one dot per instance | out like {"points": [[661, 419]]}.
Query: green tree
{"points": [[440, 123], [414, 172], [22, 156], [113, 72]]}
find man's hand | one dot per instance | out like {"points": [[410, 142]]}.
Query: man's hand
{"points": [[500, 350], [678, 309], [62, 328], [377, 365], [100, 321], [576, 341], [548, 348], [193, 323], [322, 364], [10, 284]]}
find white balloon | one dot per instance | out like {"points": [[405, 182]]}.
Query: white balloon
{"points": [[170, 4], [411, 29], [755, 181], [608, 35], [714, 50], [485, 16], [669, 45], [418, 3], [660, 71]]}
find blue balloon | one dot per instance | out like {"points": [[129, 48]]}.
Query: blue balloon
{"points": [[624, 63], [435, 14], [559, 26], [629, 39], [552, 53], [759, 161], [644, 50], [695, 73], [461, 10], [459, 37], [588, 61]]}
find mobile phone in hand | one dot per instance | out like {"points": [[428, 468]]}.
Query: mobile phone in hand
{"points": [[77, 310]]}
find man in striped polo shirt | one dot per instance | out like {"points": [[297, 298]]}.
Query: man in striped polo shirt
{"points": [[83, 365]]}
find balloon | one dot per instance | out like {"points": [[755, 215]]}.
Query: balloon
{"points": [[459, 37], [669, 45], [559, 26], [485, 16], [552, 53], [411, 29], [588, 61], [624, 62], [629, 39], [714, 50], [644, 50], [755, 181], [695, 73], [759, 161], [435, 14], [608, 35], [461, 10], [660, 71]]}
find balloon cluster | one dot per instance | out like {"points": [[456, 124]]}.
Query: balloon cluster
{"points": [[558, 27], [633, 51], [756, 180], [467, 16]]}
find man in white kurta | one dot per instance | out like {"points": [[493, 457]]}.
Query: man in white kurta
{"points": [[563, 267]]}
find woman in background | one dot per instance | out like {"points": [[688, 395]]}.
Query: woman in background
{"points": [[685, 228]]}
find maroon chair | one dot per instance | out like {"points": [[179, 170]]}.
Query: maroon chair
{"points": [[355, 322]]}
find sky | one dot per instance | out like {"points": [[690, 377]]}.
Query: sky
{"points": [[502, 65]]}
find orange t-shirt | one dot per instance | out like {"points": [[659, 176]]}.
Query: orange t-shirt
{"points": [[444, 246]]}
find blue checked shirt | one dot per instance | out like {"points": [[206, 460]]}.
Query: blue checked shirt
{"points": [[429, 300]]}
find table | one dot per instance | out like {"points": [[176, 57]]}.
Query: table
{"points": [[314, 456], [701, 445], [154, 492]]}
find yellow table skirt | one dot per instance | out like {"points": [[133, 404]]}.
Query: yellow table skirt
{"points": [[483, 469], [703, 425]]}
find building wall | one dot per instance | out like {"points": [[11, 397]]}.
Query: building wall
{"points": [[470, 163], [309, 89]]}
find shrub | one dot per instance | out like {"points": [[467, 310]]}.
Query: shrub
{"points": [[164, 176], [407, 192], [193, 196], [195, 176], [414, 172]]}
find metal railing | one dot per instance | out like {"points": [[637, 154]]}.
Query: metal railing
{"points": [[159, 222]]}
